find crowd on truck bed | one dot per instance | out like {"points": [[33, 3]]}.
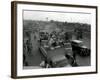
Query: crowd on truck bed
{"points": [[54, 38]]}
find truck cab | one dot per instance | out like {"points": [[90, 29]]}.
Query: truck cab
{"points": [[79, 48]]}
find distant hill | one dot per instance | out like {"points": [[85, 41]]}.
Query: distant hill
{"points": [[66, 26]]}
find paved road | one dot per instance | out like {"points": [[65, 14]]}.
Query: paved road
{"points": [[35, 57]]}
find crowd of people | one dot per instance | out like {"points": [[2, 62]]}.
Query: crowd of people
{"points": [[54, 39]]}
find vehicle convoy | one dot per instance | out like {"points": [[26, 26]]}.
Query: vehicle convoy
{"points": [[62, 53], [79, 48]]}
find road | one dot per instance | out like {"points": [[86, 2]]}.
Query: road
{"points": [[35, 57]]}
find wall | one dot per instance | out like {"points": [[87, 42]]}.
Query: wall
{"points": [[5, 40]]}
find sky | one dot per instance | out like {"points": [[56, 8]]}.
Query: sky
{"points": [[57, 16]]}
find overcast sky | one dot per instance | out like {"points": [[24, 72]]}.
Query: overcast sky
{"points": [[57, 16]]}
